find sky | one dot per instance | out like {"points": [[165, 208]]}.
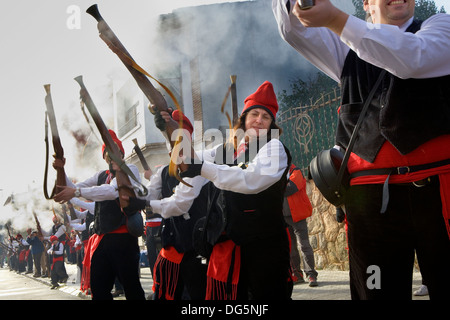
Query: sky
{"points": [[445, 3], [51, 42], [48, 42]]}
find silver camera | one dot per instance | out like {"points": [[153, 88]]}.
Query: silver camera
{"points": [[306, 4]]}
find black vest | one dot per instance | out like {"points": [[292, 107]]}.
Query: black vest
{"points": [[249, 217], [177, 231], [405, 112], [108, 215], [55, 248], [61, 238], [85, 234]]}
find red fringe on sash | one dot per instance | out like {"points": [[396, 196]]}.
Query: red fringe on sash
{"points": [[166, 271], [223, 271]]}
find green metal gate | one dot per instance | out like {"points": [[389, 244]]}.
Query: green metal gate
{"points": [[310, 129]]}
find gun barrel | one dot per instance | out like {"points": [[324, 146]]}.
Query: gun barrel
{"points": [[93, 11]]}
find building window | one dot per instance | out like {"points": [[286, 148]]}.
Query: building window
{"points": [[127, 116]]}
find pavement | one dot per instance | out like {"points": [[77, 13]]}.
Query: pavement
{"points": [[332, 285]]}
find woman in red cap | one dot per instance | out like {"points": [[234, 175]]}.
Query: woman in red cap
{"points": [[250, 257]]}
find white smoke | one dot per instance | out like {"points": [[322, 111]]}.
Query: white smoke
{"points": [[18, 212]]}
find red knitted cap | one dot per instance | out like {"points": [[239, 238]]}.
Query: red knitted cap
{"points": [[264, 97], [186, 123], [116, 140]]}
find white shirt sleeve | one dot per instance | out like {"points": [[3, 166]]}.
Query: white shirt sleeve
{"points": [[78, 241], [155, 185], [78, 226], [89, 189], [266, 168], [404, 54], [320, 46], [181, 201], [81, 214], [60, 249], [89, 206], [61, 230]]}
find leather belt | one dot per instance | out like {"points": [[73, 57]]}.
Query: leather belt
{"points": [[401, 170]]}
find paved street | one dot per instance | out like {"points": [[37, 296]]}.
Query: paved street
{"points": [[333, 285], [18, 287]]}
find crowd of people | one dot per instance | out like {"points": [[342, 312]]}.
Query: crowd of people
{"points": [[248, 193], [43, 254], [237, 212]]}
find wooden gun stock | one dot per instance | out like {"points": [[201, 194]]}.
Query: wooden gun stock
{"points": [[234, 105], [108, 36], [123, 181], [38, 226], [153, 95], [59, 151]]}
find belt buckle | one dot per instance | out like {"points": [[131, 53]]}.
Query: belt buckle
{"points": [[403, 170]]}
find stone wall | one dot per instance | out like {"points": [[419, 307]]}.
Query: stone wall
{"points": [[327, 237]]}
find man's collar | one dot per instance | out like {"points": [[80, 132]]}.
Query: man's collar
{"points": [[406, 24]]}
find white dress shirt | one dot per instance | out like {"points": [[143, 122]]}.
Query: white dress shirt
{"points": [[266, 168], [59, 251], [89, 206], [89, 189], [180, 202], [405, 55]]}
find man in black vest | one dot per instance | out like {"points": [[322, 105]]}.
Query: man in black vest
{"points": [[400, 168], [58, 270], [112, 250]]}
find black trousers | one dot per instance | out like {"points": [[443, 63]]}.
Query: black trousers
{"points": [[58, 272], [191, 283], [153, 244], [116, 255], [382, 247], [265, 269]]}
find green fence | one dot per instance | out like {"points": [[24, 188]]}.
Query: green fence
{"points": [[310, 129]]}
